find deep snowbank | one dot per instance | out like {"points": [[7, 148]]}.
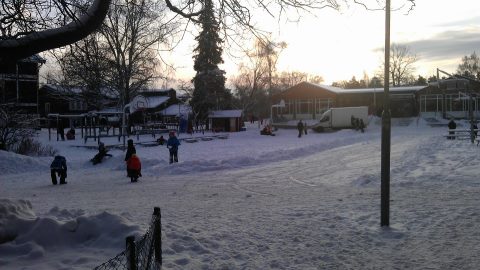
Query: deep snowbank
{"points": [[15, 163], [25, 236]]}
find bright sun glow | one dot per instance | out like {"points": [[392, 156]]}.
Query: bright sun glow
{"points": [[339, 45]]}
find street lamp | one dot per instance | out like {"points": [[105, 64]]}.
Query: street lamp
{"points": [[386, 130]]}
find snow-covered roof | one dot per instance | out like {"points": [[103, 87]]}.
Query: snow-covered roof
{"points": [[326, 87], [156, 101], [225, 114], [177, 110], [338, 90], [380, 89]]}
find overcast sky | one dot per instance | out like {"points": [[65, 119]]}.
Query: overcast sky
{"points": [[339, 45]]}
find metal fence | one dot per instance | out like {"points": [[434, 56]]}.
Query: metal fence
{"points": [[144, 254]]}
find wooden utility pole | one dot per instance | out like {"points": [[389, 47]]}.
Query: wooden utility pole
{"points": [[386, 129]]}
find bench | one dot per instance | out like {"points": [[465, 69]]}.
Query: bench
{"points": [[152, 132], [460, 133], [224, 136], [458, 136], [86, 137]]}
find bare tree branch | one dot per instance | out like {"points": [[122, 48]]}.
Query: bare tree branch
{"points": [[14, 49]]}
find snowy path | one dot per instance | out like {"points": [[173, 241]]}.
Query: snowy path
{"points": [[317, 208]]}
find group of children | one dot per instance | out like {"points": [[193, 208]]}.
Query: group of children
{"points": [[357, 123], [134, 166]]}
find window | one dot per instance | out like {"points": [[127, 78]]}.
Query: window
{"points": [[47, 108]]}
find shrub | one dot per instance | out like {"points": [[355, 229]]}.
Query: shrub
{"points": [[30, 147]]}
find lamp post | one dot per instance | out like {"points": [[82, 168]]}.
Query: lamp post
{"points": [[386, 129], [124, 127]]}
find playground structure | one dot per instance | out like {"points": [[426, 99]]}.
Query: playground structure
{"points": [[93, 125], [101, 124]]}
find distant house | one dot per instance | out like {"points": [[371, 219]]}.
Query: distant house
{"points": [[452, 97], [19, 84], [158, 106], [60, 100], [158, 100], [226, 120]]}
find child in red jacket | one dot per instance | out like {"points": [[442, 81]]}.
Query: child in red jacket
{"points": [[134, 167]]}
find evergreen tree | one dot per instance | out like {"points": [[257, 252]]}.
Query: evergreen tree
{"points": [[209, 82]]}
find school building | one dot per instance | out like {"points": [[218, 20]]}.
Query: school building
{"points": [[450, 98]]}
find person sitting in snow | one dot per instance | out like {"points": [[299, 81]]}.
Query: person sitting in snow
{"points": [[161, 140], [102, 152], [70, 134], [172, 145], [267, 130], [59, 166], [134, 168]]}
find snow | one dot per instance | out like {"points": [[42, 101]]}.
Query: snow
{"points": [[252, 202]]}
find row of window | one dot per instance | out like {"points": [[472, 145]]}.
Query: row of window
{"points": [[307, 106], [453, 102]]}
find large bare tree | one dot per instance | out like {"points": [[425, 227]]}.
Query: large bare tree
{"points": [[122, 56], [402, 65], [28, 27]]}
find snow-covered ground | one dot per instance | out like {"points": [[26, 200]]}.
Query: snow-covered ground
{"points": [[252, 202]]}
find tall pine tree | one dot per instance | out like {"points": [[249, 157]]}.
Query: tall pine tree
{"points": [[209, 82]]}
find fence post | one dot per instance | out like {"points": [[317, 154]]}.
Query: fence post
{"points": [[131, 256], [157, 235]]}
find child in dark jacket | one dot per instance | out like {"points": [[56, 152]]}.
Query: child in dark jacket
{"points": [[130, 151], [134, 168], [102, 152], [172, 145], [59, 166]]}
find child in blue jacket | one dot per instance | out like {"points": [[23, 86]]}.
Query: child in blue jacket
{"points": [[172, 145]]}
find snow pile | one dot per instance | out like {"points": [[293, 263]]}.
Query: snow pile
{"points": [[24, 236], [15, 163]]}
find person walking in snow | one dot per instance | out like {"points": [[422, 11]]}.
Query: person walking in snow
{"points": [[452, 125], [130, 151], [60, 130], [134, 168], [361, 125], [172, 145], [475, 128], [59, 166], [300, 128]]}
